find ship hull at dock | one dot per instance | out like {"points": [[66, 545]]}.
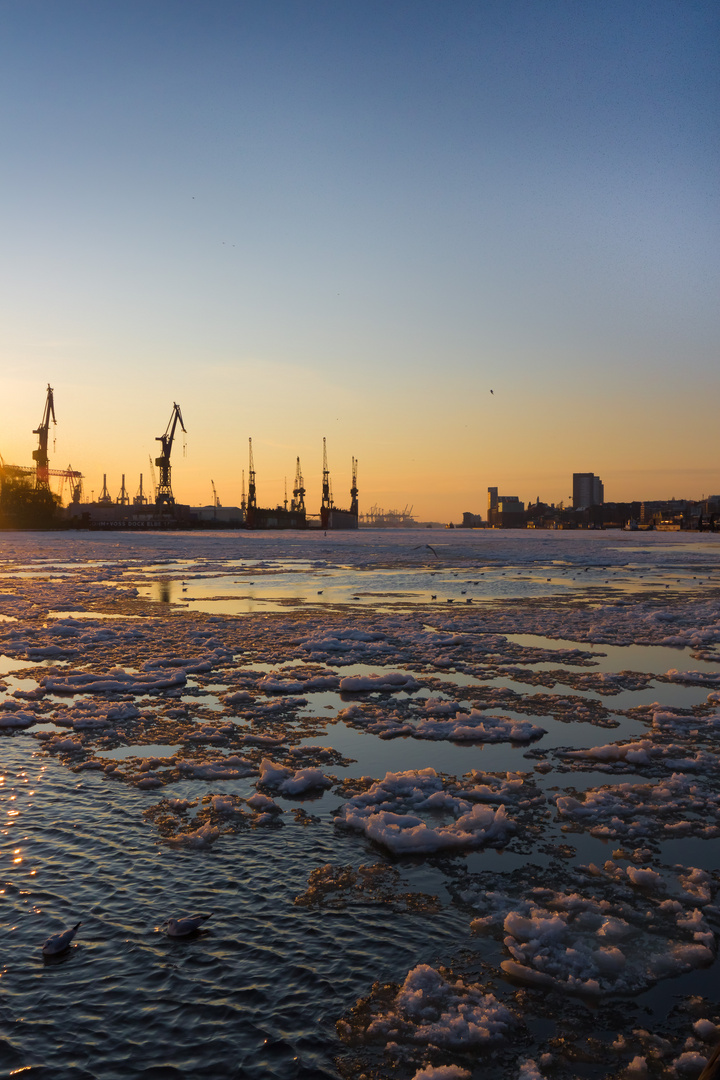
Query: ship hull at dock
{"points": [[340, 519]]}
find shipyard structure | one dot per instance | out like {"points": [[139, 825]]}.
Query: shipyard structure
{"points": [[27, 499]]}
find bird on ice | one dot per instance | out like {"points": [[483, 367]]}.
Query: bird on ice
{"points": [[58, 943], [187, 925]]}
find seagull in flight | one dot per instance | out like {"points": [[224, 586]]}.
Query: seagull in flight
{"points": [[187, 925], [58, 943], [492, 392]]}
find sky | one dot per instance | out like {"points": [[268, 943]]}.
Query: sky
{"points": [[469, 243]]}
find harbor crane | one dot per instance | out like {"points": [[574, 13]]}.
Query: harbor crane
{"points": [[327, 500], [251, 503], [40, 456], [164, 495], [298, 499], [354, 488], [141, 498], [326, 503], [73, 479], [105, 496]]}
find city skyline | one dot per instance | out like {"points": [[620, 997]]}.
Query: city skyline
{"points": [[470, 246]]}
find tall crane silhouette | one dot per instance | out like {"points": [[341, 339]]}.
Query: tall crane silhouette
{"points": [[164, 495], [298, 499], [326, 502], [40, 456], [251, 499], [354, 488]]}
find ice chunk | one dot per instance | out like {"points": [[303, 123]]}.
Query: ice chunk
{"points": [[429, 1009], [388, 813]]}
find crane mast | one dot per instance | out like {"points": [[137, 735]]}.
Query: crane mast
{"points": [[298, 499], [40, 456], [164, 495]]}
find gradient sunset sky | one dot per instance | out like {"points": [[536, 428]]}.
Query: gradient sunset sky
{"points": [[356, 219]]}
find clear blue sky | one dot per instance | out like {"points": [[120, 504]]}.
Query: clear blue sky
{"points": [[355, 219]]}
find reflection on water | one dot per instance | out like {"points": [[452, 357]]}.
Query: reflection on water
{"points": [[165, 591]]}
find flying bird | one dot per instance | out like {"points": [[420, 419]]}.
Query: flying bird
{"points": [[492, 391], [58, 943], [187, 925]]}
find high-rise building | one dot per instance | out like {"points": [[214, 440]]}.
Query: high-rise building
{"points": [[588, 490], [504, 511]]}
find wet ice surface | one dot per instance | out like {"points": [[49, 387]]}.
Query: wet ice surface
{"points": [[453, 809]]}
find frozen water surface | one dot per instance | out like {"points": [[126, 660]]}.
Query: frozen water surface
{"points": [[455, 812]]}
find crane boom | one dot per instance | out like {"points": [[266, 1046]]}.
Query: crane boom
{"points": [[154, 478], [164, 490]]}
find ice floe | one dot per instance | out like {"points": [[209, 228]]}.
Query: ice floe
{"points": [[677, 805], [411, 813], [431, 1009], [292, 781], [596, 944]]}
